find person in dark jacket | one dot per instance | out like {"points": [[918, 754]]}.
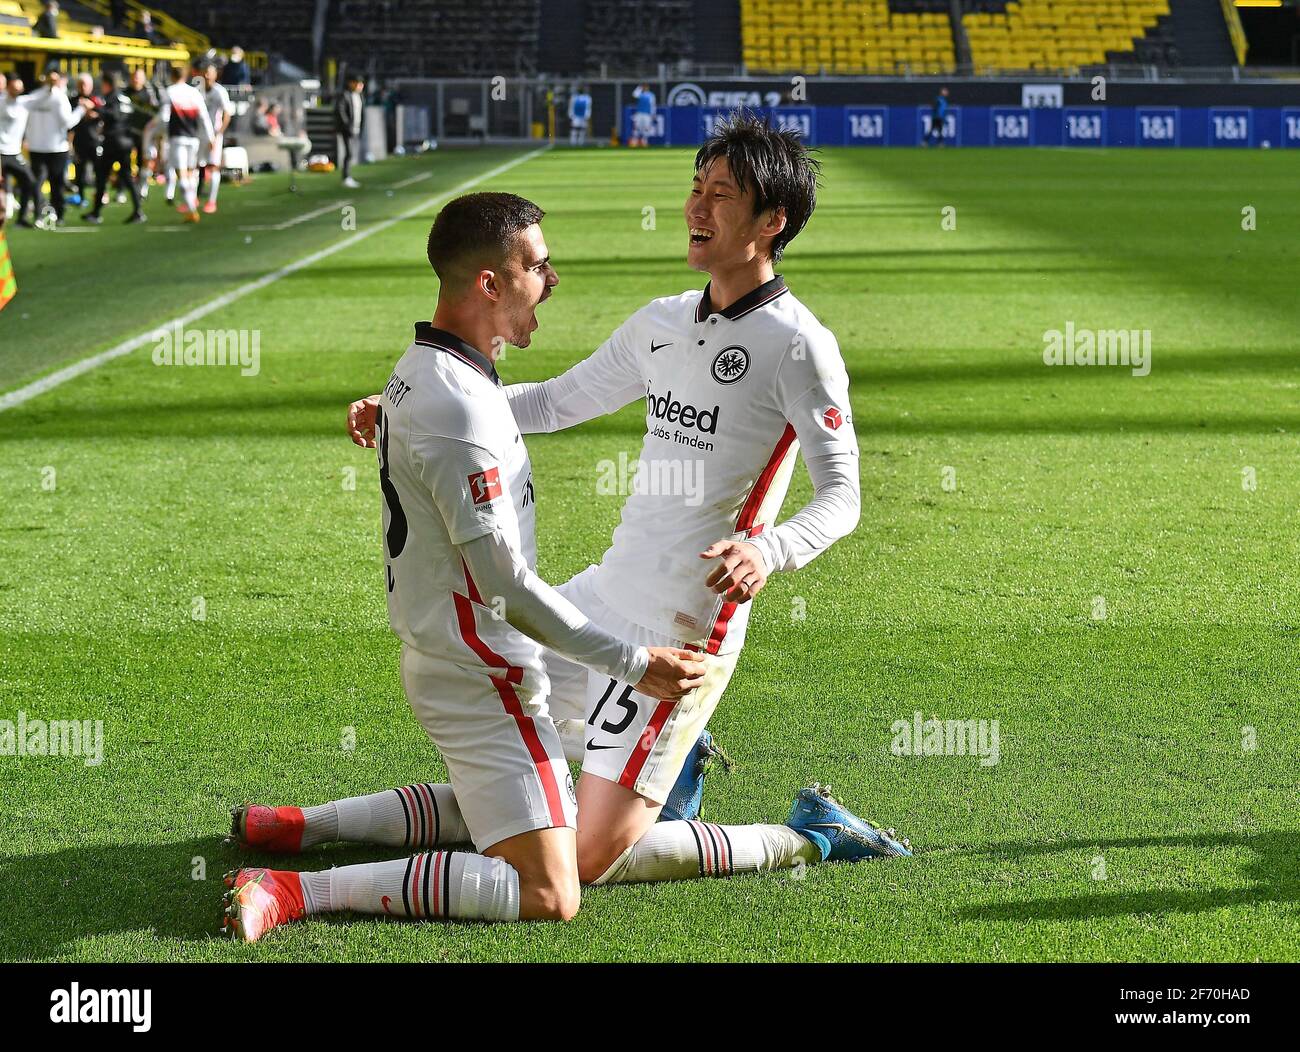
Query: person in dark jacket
{"points": [[236, 74], [349, 108], [113, 117], [47, 22], [938, 118], [144, 105], [85, 139]]}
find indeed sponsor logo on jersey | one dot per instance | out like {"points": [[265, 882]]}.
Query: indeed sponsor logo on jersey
{"points": [[666, 407]]}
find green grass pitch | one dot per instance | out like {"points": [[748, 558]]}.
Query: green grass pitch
{"points": [[1144, 806]]}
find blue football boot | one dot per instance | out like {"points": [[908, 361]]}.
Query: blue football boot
{"points": [[683, 803], [841, 835]]}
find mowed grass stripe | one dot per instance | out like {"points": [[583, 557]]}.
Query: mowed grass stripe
{"points": [[131, 280]]}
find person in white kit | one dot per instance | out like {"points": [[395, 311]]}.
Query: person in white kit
{"points": [[50, 116], [735, 378], [459, 549], [184, 114], [13, 127], [220, 109]]}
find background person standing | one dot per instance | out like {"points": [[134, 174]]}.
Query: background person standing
{"points": [[349, 109], [938, 117], [13, 126], [50, 117], [113, 117]]}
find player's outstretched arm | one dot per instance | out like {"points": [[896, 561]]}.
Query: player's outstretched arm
{"points": [[603, 383], [540, 612]]}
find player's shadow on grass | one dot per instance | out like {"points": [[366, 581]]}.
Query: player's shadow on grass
{"points": [[49, 901], [1275, 871]]}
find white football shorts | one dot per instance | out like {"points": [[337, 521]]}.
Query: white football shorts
{"points": [[182, 152], [637, 741], [641, 123], [212, 155], [503, 754]]}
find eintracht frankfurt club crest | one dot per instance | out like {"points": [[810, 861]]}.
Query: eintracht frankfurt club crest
{"points": [[730, 365]]}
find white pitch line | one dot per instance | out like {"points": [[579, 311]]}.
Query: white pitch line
{"points": [[71, 372], [413, 179], [299, 219]]}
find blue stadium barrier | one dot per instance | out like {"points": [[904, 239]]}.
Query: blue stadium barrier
{"points": [[1228, 127]]}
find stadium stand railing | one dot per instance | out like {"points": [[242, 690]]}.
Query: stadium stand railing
{"points": [[281, 26], [164, 26], [83, 44], [1236, 32]]}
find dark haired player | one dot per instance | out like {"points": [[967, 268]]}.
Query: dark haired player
{"points": [[473, 617], [738, 378]]}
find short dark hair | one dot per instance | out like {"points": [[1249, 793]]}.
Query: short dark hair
{"points": [[779, 167], [478, 228]]}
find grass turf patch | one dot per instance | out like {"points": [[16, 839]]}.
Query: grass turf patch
{"points": [[1143, 805]]}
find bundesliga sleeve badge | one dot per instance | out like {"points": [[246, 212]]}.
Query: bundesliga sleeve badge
{"points": [[485, 486]]}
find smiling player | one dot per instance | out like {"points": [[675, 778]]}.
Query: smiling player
{"points": [[473, 616], [738, 377]]}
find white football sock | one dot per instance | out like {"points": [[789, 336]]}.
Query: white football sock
{"points": [[191, 183], [434, 885], [682, 850], [214, 181], [422, 815], [172, 176]]}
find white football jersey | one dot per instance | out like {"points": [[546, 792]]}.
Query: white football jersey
{"points": [[452, 467], [730, 396], [185, 113], [217, 100]]}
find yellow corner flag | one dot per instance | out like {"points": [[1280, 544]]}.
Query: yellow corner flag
{"points": [[8, 283]]}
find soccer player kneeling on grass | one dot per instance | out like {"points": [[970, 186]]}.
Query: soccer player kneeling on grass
{"points": [[473, 617], [745, 373]]}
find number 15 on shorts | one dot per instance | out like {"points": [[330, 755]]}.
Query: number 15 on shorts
{"points": [[613, 716]]}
